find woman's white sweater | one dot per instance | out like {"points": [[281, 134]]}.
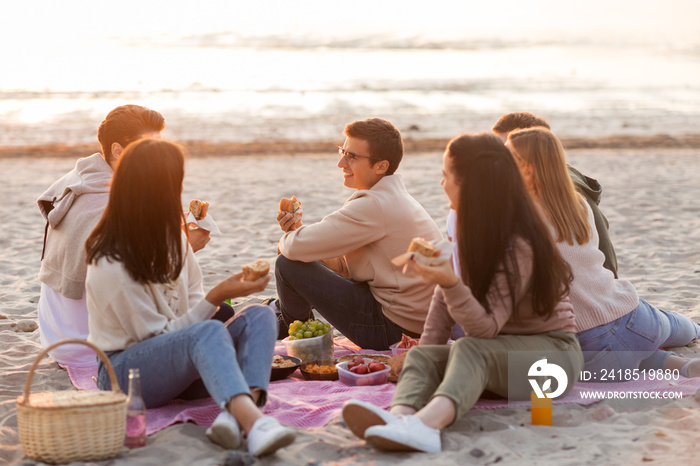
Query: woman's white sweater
{"points": [[597, 296]]}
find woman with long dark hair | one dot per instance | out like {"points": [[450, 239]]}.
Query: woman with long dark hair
{"points": [[618, 331], [147, 308], [510, 296]]}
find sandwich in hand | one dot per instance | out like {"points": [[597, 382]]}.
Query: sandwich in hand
{"points": [[423, 247], [255, 270], [424, 252], [290, 205], [199, 208]]}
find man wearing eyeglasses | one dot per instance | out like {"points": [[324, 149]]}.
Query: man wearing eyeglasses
{"points": [[341, 266]]}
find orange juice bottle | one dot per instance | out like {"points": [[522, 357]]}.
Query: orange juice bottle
{"points": [[541, 410]]}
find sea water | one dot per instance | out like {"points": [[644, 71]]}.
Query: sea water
{"points": [[228, 71]]}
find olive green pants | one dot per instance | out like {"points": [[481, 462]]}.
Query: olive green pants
{"points": [[464, 370]]}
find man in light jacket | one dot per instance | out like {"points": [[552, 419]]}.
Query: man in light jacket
{"points": [[341, 266], [71, 207]]}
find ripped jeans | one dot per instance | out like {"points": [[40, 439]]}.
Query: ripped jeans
{"points": [[206, 358]]}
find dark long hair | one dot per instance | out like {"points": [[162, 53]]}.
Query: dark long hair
{"points": [[494, 209], [141, 225]]}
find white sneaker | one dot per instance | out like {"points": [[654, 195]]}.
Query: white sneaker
{"points": [[225, 431], [267, 436], [405, 433], [359, 415]]}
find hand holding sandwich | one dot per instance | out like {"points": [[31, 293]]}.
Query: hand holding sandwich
{"points": [[198, 238], [442, 274], [198, 225], [288, 222], [434, 271], [289, 215], [235, 287]]}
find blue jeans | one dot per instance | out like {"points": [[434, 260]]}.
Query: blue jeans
{"points": [[229, 358], [633, 340], [348, 305]]}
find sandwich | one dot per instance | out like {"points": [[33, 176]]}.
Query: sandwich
{"points": [[423, 247], [199, 208], [290, 205], [255, 270], [396, 363], [425, 252]]}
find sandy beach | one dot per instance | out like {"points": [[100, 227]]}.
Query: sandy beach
{"points": [[650, 198]]}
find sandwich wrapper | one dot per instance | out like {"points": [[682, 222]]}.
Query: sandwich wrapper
{"points": [[445, 247], [207, 223]]}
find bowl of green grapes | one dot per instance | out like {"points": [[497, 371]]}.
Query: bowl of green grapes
{"points": [[310, 340]]}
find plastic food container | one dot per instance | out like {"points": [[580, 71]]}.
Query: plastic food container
{"points": [[373, 378], [396, 351], [310, 349]]}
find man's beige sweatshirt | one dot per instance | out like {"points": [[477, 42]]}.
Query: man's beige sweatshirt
{"points": [[373, 227]]}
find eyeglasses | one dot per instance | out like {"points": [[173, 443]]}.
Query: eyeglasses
{"points": [[350, 156]]}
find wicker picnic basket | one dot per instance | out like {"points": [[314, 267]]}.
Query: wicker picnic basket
{"points": [[70, 425]]}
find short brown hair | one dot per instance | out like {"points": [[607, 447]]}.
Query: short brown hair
{"points": [[384, 140], [126, 124], [141, 225], [518, 120]]}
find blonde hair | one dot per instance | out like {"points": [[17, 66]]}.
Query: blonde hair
{"points": [[565, 208]]}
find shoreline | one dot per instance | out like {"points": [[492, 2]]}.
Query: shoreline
{"points": [[199, 149]]}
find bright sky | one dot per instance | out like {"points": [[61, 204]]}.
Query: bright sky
{"points": [[32, 24]]}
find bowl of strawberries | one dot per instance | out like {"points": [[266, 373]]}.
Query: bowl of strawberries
{"points": [[404, 345], [363, 371]]}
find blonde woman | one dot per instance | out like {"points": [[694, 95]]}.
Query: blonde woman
{"points": [[616, 329]]}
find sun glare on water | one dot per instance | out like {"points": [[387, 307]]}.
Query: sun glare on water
{"points": [[73, 61]]}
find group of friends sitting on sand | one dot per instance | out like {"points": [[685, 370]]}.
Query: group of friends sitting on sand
{"points": [[533, 270]]}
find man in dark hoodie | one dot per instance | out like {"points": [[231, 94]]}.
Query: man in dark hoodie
{"points": [[71, 207], [588, 187]]}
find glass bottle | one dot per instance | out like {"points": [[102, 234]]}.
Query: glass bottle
{"points": [[135, 413], [541, 410]]}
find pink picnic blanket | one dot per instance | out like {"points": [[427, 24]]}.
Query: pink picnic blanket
{"points": [[301, 403], [293, 401]]}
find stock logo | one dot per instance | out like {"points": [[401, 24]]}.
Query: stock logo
{"points": [[542, 368]]}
